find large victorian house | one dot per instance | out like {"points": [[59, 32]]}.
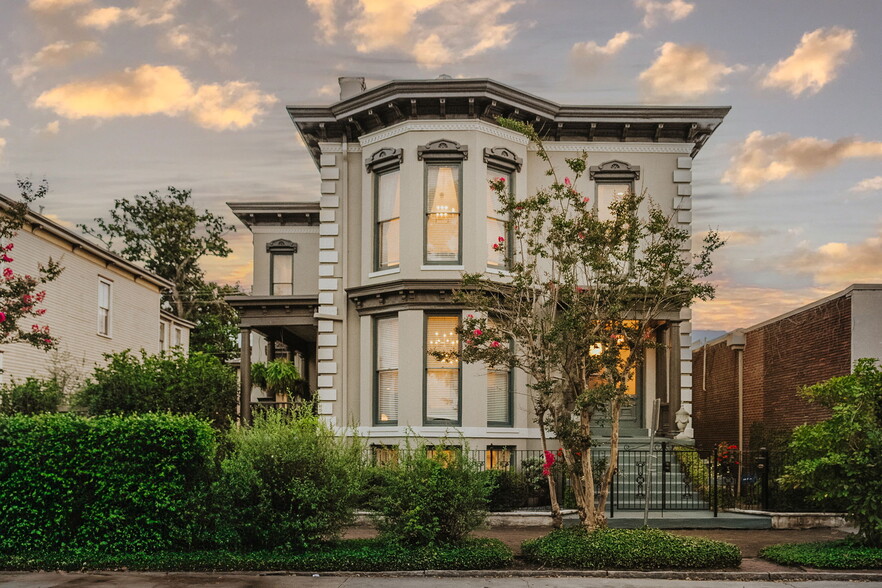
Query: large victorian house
{"points": [[357, 284]]}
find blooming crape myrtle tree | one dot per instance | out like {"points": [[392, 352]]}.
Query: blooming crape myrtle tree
{"points": [[20, 294], [579, 308]]}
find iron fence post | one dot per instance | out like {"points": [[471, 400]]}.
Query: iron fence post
{"points": [[716, 494], [612, 492], [764, 455], [664, 475]]}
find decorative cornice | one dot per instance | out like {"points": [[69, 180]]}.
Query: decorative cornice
{"points": [[284, 230], [614, 170], [383, 159], [403, 295], [612, 147], [503, 158], [281, 246], [441, 126]]}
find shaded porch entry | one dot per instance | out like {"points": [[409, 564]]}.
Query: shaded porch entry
{"points": [[288, 327]]}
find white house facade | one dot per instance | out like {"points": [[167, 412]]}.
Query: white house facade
{"points": [[358, 283]]}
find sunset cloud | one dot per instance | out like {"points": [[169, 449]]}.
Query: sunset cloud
{"points": [[590, 54], [150, 89], [54, 5], [51, 128], [195, 42], [814, 62], [655, 11], [434, 32], [4, 122], [101, 18], [143, 13], [868, 185], [767, 158], [683, 72], [835, 265], [56, 54], [743, 306]]}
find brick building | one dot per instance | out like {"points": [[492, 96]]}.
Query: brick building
{"points": [[778, 357]]}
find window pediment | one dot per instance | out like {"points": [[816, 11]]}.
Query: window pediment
{"points": [[281, 246], [383, 159], [614, 171], [503, 158], [442, 149]]}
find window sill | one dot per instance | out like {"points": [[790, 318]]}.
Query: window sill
{"points": [[104, 336], [385, 272], [498, 272], [433, 268]]}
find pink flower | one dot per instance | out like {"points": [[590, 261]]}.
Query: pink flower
{"points": [[501, 179], [41, 295], [8, 247], [494, 344], [7, 273], [477, 332], [5, 258], [549, 461], [468, 341], [496, 247], [35, 328], [47, 341], [567, 181], [501, 239], [470, 316], [41, 311], [27, 298], [585, 199], [2, 317]]}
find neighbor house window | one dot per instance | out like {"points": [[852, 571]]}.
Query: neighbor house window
{"points": [[388, 219], [282, 274], [443, 207], [104, 307], [386, 375], [162, 345], [179, 336], [442, 383], [497, 223]]}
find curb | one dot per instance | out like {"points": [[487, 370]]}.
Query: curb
{"points": [[634, 574]]}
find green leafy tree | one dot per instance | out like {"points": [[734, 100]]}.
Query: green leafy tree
{"points": [[33, 396], [20, 294], [166, 234], [840, 457], [581, 303]]}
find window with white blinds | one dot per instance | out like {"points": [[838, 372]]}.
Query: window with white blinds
{"points": [[388, 248], [442, 374], [497, 225], [104, 307], [282, 274], [386, 362], [443, 207]]}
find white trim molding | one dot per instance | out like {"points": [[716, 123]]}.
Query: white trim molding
{"points": [[614, 147], [442, 126]]}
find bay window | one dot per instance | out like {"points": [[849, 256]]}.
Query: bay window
{"points": [[442, 374]]}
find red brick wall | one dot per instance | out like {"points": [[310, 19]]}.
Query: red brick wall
{"points": [[779, 358]]}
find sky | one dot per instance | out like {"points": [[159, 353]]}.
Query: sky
{"points": [[107, 99]]}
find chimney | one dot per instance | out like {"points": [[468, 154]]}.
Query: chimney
{"points": [[350, 87]]}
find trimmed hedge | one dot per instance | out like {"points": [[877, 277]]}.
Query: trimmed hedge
{"points": [[639, 549], [114, 484], [351, 555], [840, 555]]}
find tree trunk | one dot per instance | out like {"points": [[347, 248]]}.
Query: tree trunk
{"points": [[556, 515], [606, 483]]}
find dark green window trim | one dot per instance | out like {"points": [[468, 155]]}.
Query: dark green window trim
{"points": [[426, 421], [375, 373], [376, 213], [441, 163], [509, 229], [510, 421]]}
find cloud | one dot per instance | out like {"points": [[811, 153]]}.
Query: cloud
{"points": [[143, 13], [434, 32], [53, 55], [54, 5], [195, 42], [151, 89], [327, 23], [4, 122], [814, 62], [743, 306], [683, 72], [655, 11], [767, 158], [51, 128], [589, 52], [2, 146], [868, 185], [835, 265]]}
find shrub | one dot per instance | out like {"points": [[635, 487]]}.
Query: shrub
{"points": [[168, 382], [289, 479], [433, 497], [839, 458], [508, 490], [840, 555], [643, 549], [280, 378], [33, 396], [114, 484], [354, 555]]}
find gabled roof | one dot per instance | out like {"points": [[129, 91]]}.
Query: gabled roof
{"points": [[443, 98], [77, 241]]}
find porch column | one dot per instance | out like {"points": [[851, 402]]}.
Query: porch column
{"points": [[245, 369], [270, 350], [674, 382]]}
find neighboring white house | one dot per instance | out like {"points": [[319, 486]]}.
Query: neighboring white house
{"points": [[357, 284], [99, 304]]}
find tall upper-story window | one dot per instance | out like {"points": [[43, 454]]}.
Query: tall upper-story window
{"points": [[385, 165], [443, 204], [104, 307], [500, 394], [386, 371], [442, 373], [613, 179], [281, 266], [501, 165]]}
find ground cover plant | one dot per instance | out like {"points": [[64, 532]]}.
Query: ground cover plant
{"points": [[842, 555], [348, 555], [641, 549]]}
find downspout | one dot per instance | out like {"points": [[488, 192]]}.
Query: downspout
{"points": [[736, 341]]}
